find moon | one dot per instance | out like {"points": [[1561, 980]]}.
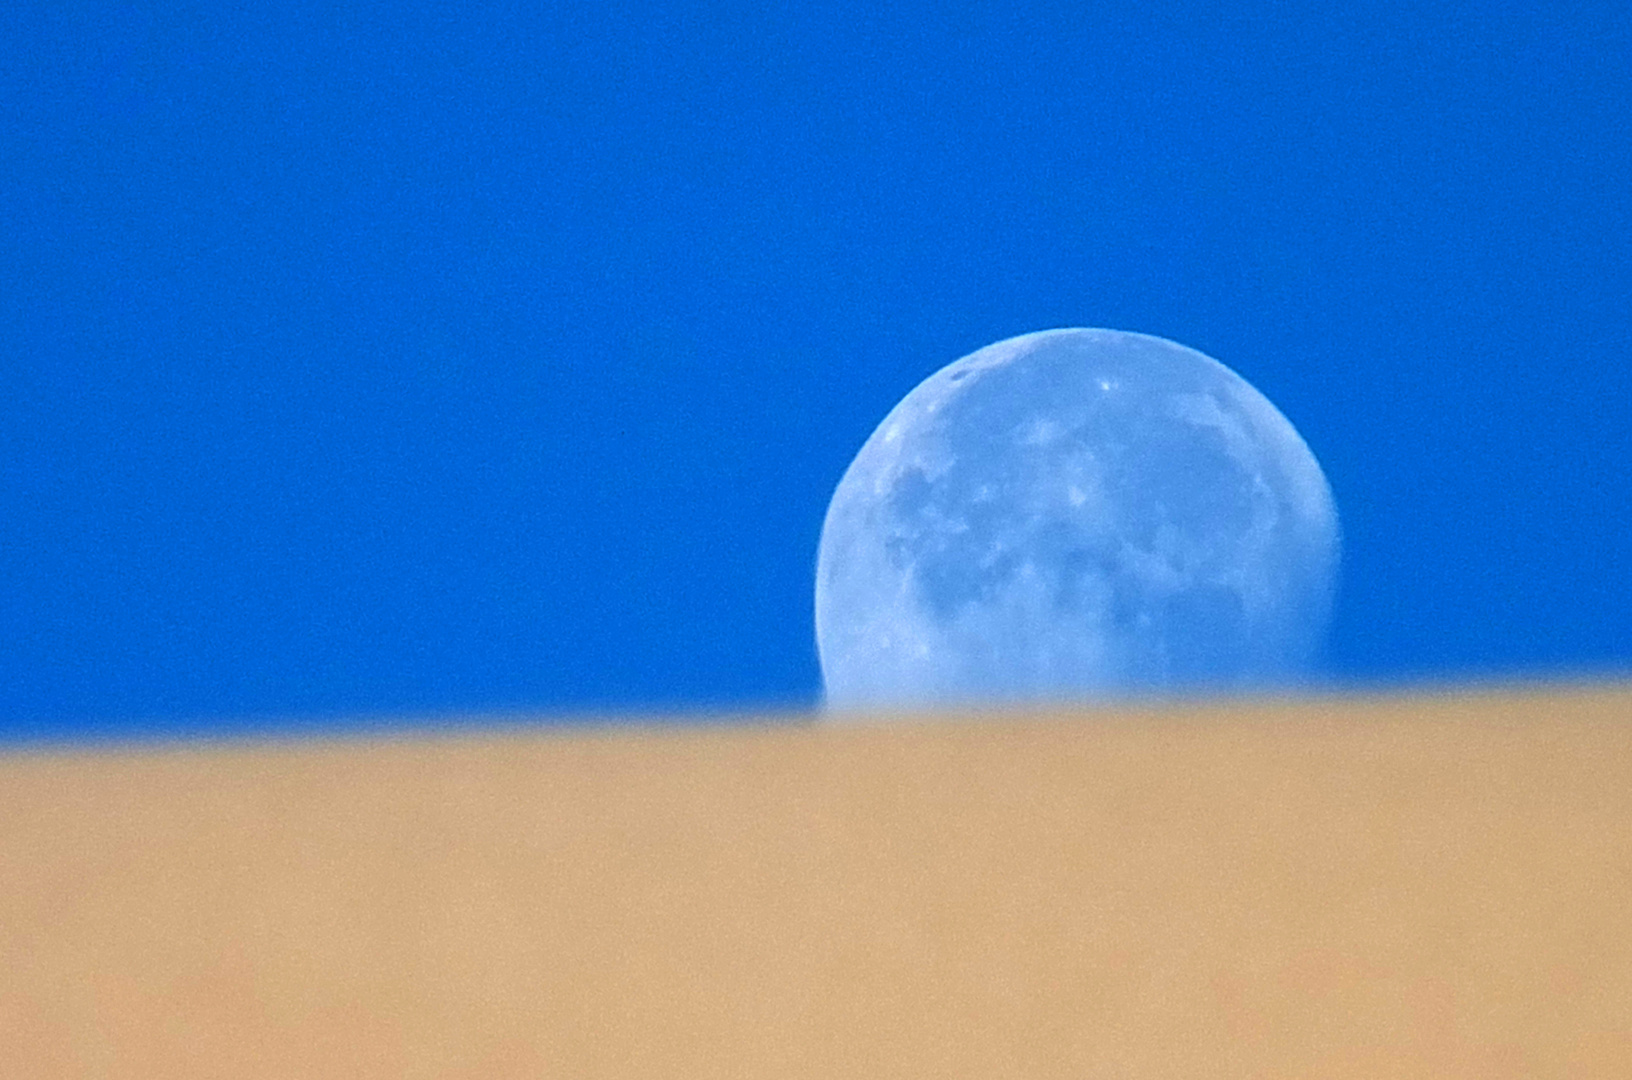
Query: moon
{"points": [[1075, 514]]}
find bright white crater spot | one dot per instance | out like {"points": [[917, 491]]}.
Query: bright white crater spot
{"points": [[1014, 531]]}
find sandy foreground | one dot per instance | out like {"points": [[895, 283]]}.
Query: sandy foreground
{"points": [[1435, 886]]}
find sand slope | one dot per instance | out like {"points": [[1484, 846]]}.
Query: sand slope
{"points": [[1433, 887]]}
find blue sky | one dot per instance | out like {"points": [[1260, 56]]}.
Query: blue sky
{"points": [[411, 359]]}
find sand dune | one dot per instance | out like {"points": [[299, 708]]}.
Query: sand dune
{"points": [[1435, 886]]}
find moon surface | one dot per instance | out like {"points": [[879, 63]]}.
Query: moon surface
{"points": [[1074, 514]]}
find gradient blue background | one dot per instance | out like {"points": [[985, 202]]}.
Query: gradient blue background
{"points": [[419, 359]]}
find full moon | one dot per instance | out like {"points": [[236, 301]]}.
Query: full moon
{"points": [[1074, 514]]}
